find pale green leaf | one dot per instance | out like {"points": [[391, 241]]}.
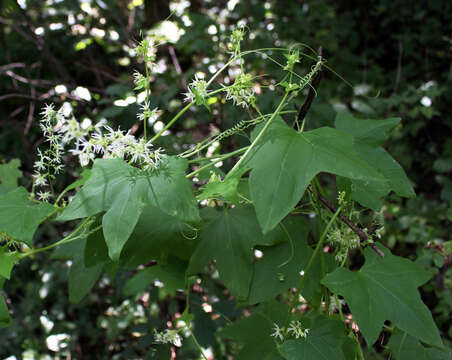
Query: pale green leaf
{"points": [[10, 173], [20, 217], [386, 289], [286, 161]]}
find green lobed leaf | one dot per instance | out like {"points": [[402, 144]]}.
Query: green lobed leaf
{"points": [[254, 332], [156, 236], [122, 191], [10, 173], [369, 137], [81, 278], [324, 341], [19, 217], [7, 261], [96, 251], [386, 289], [286, 161], [406, 347], [280, 267], [171, 275], [229, 238]]}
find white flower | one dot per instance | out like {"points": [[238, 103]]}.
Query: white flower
{"points": [[48, 111], [44, 195], [196, 89], [168, 336], [278, 332], [39, 179], [297, 330]]}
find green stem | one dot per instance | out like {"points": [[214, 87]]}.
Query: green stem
{"points": [[206, 142], [50, 215], [148, 91], [217, 159], [173, 120], [258, 137], [311, 262], [67, 239], [197, 345]]}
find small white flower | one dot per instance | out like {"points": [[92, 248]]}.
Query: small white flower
{"points": [[278, 332], [39, 179], [168, 337], [44, 195], [196, 89], [297, 330], [48, 111]]}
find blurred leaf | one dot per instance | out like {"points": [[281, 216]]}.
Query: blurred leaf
{"points": [[20, 217]]}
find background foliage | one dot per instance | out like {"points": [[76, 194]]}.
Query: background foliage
{"points": [[80, 54]]}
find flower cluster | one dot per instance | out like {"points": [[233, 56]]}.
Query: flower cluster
{"points": [[242, 91], [147, 113], [147, 50], [117, 144], [236, 38], [295, 329], [335, 304], [292, 58], [88, 141], [168, 337], [197, 90], [345, 239]]}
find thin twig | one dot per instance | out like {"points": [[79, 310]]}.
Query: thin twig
{"points": [[311, 95], [363, 237], [176, 64]]}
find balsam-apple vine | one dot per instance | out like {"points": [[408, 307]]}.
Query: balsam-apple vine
{"points": [[275, 229]]}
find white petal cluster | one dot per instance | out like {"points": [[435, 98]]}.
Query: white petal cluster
{"points": [[87, 141], [242, 91], [278, 332], [197, 90], [168, 337], [296, 329]]}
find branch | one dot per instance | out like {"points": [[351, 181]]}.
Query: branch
{"points": [[362, 235], [311, 95]]}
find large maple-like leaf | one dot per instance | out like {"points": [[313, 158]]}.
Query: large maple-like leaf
{"points": [[386, 289], [122, 191], [406, 347], [229, 238], [369, 136], [286, 161]]}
